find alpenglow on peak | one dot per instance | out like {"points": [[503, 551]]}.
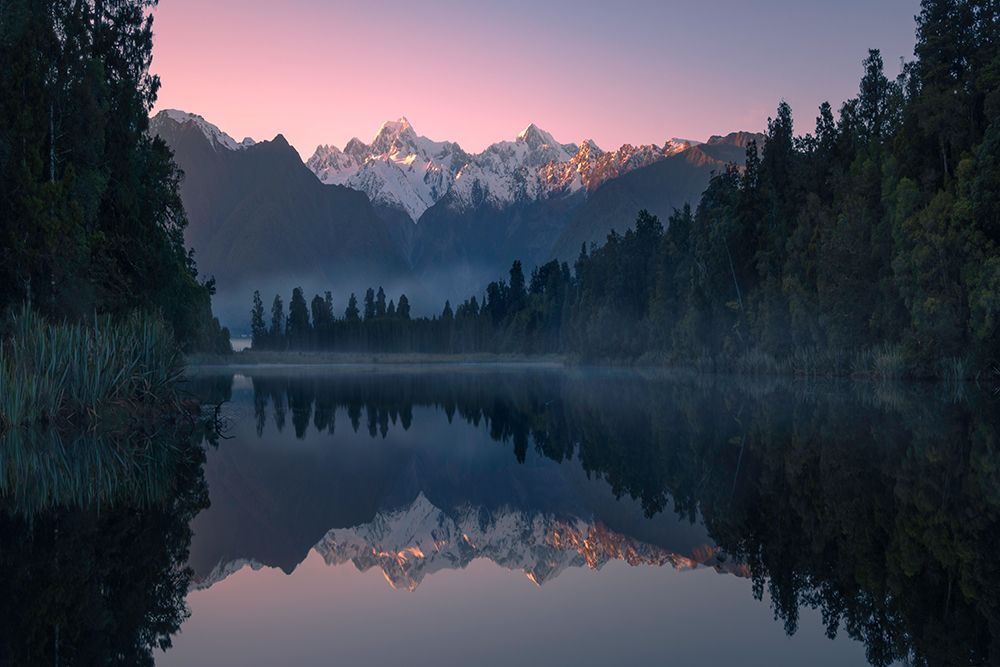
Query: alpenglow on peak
{"points": [[535, 136], [394, 126], [403, 170]]}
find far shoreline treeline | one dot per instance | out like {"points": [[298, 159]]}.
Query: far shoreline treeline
{"points": [[870, 246]]}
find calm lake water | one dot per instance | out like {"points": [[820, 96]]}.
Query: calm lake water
{"points": [[470, 515]]}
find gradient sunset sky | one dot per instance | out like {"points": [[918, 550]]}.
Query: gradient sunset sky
{"points": [[321, 71]]}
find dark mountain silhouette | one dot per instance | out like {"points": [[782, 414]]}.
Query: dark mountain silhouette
{"points": [[659, 188], [258, 218], [482, 242]]}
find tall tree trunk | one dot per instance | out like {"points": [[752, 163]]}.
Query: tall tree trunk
{"points": [[944, 157], [52, 143]]}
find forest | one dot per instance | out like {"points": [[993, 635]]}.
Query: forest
{"points": [[91, 220], [866, 246]]}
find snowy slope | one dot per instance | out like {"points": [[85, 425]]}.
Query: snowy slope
{"points": [[216, 137], [399, 168], [405, 170]]}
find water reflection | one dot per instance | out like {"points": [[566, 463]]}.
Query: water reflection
{"points": [[94, 537], [877, 505]]}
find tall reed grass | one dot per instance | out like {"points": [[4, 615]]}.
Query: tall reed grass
{"points": [[44, 468], [73, 373]]}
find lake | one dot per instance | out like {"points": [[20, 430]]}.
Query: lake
{"points": [[490, 515]]}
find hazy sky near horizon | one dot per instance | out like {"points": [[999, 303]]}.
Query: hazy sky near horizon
{"points": [[323, 71]]}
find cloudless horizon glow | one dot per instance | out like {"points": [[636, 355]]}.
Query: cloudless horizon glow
{"points": [[324, 72]]}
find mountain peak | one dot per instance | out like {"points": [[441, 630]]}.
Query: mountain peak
{"points": [[535, 136], [393, 136], [741, 139], [394, 127], [356, 147], [676, 145], [589, 147], [214, 135]]}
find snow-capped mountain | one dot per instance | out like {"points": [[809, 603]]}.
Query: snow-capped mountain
{"points": [[590, 166], [410, 543], [399, 168], [404, 170], [216, 137], [350, 213]]}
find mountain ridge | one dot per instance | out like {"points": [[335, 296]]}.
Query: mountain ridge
{"points": [[408, 171], [419, 216]]}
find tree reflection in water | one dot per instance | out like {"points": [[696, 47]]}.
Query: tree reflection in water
{"points": [[877, 504], [94, 537]]}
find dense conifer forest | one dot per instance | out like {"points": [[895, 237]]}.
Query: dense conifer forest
{"points": [[91, 220], [868, 245]]}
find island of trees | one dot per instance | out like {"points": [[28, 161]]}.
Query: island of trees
{"points": [[869, 245]]}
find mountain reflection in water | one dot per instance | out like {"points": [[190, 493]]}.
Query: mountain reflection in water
{"points": [[876, 505]]}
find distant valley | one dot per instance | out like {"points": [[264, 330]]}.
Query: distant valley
{"points": [[418, 216]]}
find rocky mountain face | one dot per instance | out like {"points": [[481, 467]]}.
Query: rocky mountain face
{"points": [[398, 169], [660, 187], [587, 196], [403, 170]]}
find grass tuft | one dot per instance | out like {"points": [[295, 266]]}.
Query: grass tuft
{"points": [[79, 373]]}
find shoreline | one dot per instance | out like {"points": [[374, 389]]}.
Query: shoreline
{"points": [[271, 359], [360, 359]]}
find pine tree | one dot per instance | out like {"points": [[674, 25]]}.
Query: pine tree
{"points": [[403, 310], [351, 313], [517, 290], [369, 304], [380, 309], [328, 306], [298, 330], [322, 319], [258, 330], [277, 332]]}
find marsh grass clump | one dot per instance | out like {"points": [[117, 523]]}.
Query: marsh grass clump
{"points": [[955, 369], [757, 362], [83, 373], [884, 362], [41, 468]]}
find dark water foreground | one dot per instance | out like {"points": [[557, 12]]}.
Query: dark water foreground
{"points": [[496, 516]]}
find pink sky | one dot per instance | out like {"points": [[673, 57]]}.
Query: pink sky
{"points": [[478, 72]]}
